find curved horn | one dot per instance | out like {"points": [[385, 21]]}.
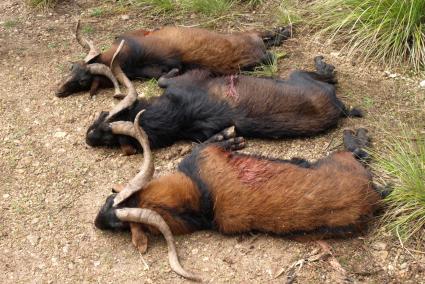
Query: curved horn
{"points": [[149, 217], [102, 69], [146, 170], [87, 44], [131, 97], [123, 128]]}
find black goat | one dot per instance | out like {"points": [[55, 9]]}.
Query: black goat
{"points": [[196, 105]]}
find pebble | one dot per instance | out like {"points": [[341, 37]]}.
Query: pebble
{"points": [[6, 195], [96, 263], [382, 255], [422, 84], [195, 251], [59, 134], [379, 246], [125, 17], [33, 239]]}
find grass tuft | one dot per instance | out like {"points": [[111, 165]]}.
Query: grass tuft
{"points": [[158, 6], [41, 3], [402, 160], [267, 69], [87, 30], [10, 24], [97, 12], [390, 31], [208, 7], [288, 12]]}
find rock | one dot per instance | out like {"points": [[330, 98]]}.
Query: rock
{"points": [[59, 134], [33, 239], [383, 255], [422, 84], [379, 246], [195, 251], [5, 196], [125, 17], [96, 263]]}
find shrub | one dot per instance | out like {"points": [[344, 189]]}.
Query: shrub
{"points": [[402, 160], [392, 31]]}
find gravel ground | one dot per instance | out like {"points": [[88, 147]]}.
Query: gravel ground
{"points": [[53, 183]]}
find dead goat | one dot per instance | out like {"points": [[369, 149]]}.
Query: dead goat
{"points": [[216, 188], [196, 105], [151, 54]]}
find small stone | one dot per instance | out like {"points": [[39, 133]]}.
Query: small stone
{"points": [[422, 84], [96, 263], [382, 255], [34, 221], [403, 265], [125, 17], [195, 251], [33, 239], [205, 258], [59, 134], [6, 195], [379, 246]]}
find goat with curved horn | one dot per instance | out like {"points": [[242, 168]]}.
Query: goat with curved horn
{"points": [[152, 54], [84, 74], [215, 188]]}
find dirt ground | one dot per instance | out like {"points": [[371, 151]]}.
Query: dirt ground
{"points": [[52, 183]]}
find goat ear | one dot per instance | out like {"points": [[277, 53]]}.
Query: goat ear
{"points": [[138, 237], [94, 86]]}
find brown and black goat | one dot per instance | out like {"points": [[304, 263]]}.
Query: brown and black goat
{"points": [[151, 54], [196, 105], [216, 188]]}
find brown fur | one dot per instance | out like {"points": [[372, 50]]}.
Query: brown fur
{"points": [[220, 53], [250, 193]]}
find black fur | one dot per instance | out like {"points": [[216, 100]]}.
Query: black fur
{"points": [[176, 115], [188, 110], [144, 63], [189, 166], [106, 219]]}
